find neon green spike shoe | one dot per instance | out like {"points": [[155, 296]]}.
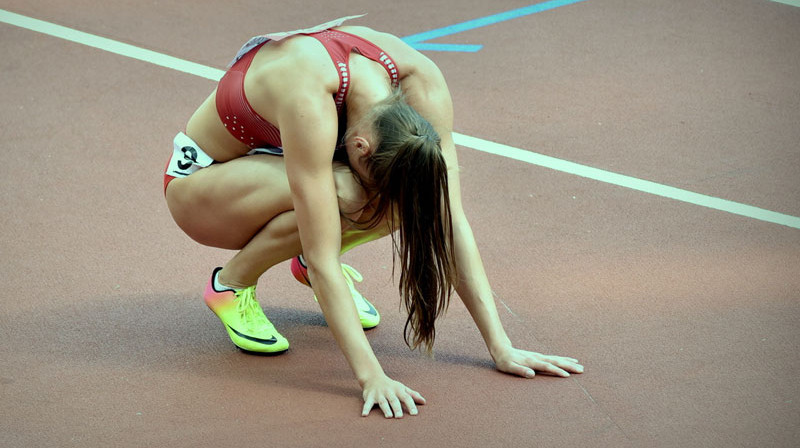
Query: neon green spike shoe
{"points": [[370, 318], [247, 326]]}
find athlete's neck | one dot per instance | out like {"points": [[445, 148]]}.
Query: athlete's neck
{"points": [[367, 88]]}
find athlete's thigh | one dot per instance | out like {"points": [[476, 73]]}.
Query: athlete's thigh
{"points": [[226, 204]]}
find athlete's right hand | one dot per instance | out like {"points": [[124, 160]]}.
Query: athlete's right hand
{"points": [[391, 396]]}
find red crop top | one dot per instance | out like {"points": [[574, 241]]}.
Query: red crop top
{"points": [[248, 126]]}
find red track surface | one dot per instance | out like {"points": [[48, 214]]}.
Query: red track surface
{"points": [[687, 319]]}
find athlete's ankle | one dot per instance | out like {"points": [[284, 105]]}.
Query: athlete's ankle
{"points": [[224, 281]]}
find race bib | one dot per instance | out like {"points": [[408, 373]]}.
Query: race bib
{"points": [[187, 157]]}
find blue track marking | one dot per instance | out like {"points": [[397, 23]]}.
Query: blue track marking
{"points": [[425, 46], [789, 2], [418, 41], [466, 141]]}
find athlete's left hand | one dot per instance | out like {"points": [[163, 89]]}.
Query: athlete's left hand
{"points": [[524, 363]]}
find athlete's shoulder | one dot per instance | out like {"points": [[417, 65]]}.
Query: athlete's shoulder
{"points": [[295, 61]]}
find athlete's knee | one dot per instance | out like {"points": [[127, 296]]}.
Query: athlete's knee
{"points": [[351, 195]]}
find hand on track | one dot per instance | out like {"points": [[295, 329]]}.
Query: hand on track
{"points": [[391, 396], [524, 363]]}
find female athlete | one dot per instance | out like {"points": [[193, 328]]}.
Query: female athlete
{"points": [[316, 141]]}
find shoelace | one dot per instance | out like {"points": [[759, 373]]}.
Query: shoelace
{"points": [[351, 274], [247, 306]]}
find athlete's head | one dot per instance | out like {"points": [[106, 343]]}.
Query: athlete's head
{"points": [[407, 174]]}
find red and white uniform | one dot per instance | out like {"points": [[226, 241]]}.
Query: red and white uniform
{"points": [[239, 117]]}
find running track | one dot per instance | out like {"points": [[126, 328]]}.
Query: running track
{"points": [[685, 313]]}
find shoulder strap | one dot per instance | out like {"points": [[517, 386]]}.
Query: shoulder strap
{"points": [[257, 40]]}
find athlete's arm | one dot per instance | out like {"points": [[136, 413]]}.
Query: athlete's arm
{"points": [[308, 124], [428, 93]]}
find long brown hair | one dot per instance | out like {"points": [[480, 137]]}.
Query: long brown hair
{"points": [[409, 184]]}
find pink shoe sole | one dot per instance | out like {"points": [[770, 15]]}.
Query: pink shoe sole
{"points": [[300, 272]]}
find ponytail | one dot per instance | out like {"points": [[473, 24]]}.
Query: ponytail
{"points": [[409, 180]]}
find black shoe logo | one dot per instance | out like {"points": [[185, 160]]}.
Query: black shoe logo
{"points": [[370, 309], [269, 341]]}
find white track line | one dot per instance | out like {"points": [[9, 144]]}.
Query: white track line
{"points": [[627, 181], [112, 46], [511, 152]]}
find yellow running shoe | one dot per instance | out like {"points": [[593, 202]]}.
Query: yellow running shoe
{"points": [[247, 326], [370, 318]]}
